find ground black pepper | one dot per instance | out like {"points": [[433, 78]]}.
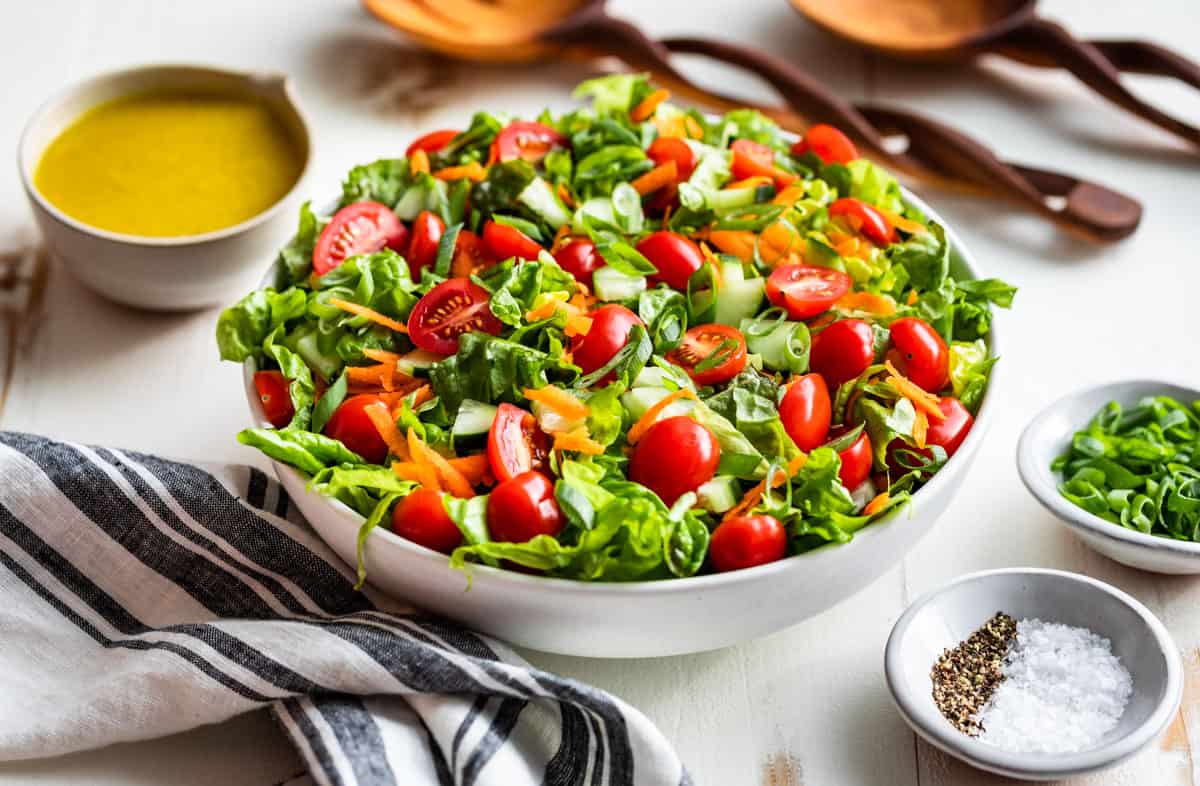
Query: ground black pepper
{"points": [[965, 677]]}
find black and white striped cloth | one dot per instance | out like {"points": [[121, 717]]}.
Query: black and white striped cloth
{"points": [[141, 597]]}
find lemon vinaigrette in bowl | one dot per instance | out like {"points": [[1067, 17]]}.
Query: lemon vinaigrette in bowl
{"points": [[170, 163]]}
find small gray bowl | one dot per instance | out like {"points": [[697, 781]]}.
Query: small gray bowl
{"points": [[1049, 434], [942, 618]]}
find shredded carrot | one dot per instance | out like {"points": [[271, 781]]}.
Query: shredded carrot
{"points": [[380, 355], [475, 469], [578, 441], [418, 162], [454, 481], [877, 504], [912, 297], [577, 326], [561, 237], [788, 196], [869, 302], [752, 497], [922, 400], [582, 300], [784, 179], [370, 313], [564, 194], [920, 428], [739, 243], [648, 105], [547, 307], [381, 419], [780, 238], [558, 400], [381, 375], [900, 222], [421, 474], [718, 277], [692, 127], [659, 177], [673, 127], [421, 395], [473, 171], [754, 181], [821, 321], [639, 429]]}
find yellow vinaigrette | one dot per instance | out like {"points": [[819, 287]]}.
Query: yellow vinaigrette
{"points": [[170, 163]]}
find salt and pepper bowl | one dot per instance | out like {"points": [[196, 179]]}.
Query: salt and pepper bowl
{"points": [[944, 617], [1049, 434]]}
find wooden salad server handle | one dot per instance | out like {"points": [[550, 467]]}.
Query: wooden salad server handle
{"points": [[1144, 57]]}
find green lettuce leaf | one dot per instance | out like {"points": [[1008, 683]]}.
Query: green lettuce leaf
{"points": [[243, 327], [487, 368], [295, 259], [310, 453], [970, 366], [614, 93], [380, 181]]}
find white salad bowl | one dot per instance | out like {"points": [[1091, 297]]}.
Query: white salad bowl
{"points": [[644, 618]]}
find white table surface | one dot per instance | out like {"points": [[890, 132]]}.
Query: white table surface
{"points": [[807, 705]]}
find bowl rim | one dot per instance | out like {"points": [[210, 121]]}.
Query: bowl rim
{"points": [[1039, 765], [1042, 482], [947, 475], [282, 82]]}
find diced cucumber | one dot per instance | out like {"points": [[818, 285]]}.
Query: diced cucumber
{"points": [[411, 203], [727, 200], [473, 423], [627, 209], [327, 365], [597, 207], [539, 197], [732, 270], [738, 300], [638, 400], [417, 363], [611, 284], [785, 347], [719, 494], [653, 376]]}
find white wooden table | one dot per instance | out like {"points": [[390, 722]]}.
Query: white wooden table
{"points": [[807, 705]]}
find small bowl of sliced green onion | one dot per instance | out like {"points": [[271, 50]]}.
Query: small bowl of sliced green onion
{"points": [[1120, 464]]}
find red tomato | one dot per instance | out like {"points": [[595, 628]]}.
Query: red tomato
{"points": [[360, 228], [746, 541], [806, 411], [950, 432], [856, 462], [580, 259], [829, 145], [351, 426], [699, 344], [662, 199], [272, 387], [505, 242], [515, 443], [675, 456], [427, 233], [448, 310], [866, 219], [750, 159], [422, 518], [920, 353], [469, 255], [675, 257], [609, 332], [842, 351], [521, 508], [667, 148], [431, 142], [806, 291], [527, 140]]}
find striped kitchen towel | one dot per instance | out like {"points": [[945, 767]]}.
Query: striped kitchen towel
{"points": [[141, 597]]}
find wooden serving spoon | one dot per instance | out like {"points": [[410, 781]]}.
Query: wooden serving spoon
{"points": [[523, 30], [939, 30]]}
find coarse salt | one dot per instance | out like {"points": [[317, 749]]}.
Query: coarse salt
{"points": [[1063, 690]]}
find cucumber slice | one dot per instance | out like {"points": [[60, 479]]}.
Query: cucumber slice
{"points": [[417, 363], [539, 197], [655, 377], [739, 300], [638, 400], [611, 284], [473, 423], [596, 207], [719, 494], [785, 348]]}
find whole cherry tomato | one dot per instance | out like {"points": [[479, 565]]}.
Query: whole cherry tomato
{"points": [[675, 257], [609, 332], [952, 430], [843, 350], [525, 139], [805, 290], [718, 350], [505, 242], [669, 148], [422, 518], [580, 259], [920, 354], [856, 462], [864, 218], [351, 426], [806, 411], [515, 444], [829, 144], [431, 142], [359, 228], [675, 456], [422, 250], [451, 308], [746, 541], [521, 508], [272, 387]]}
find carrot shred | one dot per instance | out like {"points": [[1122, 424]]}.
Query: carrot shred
{"points": [[816, 323], [718, 277], [578, 441], [739, 243], [380, 355], [788, 196], [659, 177], [922, 400], [754, 181], [381, 419], [912, 297], [647, 106], [869, 302], [577, 326], [475, 469], [558, 400], [920, 428], [418, 162], [421, 474], [692, 127], [900, 222], [564, 194], [370, 313], [752, 497], [473, 171], [561, 238], [780, 238], [877, 503], [674, 127], [639, 429], [452, 480]]}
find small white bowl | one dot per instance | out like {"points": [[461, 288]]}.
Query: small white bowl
{"points": [[163, 273], [944, 617], [1049, 434]]}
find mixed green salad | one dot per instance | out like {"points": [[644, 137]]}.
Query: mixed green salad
{"points": [[1138, 467], [626, 342]]}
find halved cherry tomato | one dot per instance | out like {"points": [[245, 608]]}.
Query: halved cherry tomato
{"points": [[448, 310], [422, 251], [675, 257], [360, 228], [351, 426], [505, 242], [515, 443], [272, 387], [580, 259], [829, 144], [469, 255], [431, 142], [521, 508], [746, 541], [609, 332], [675, 456], [422, 518], [662, 199], [842, 351], [719, 348], [866, 219], [806, 291], [669, 148], [920, 354], [806, 411], [528, 140], [751, 159], [952, 430], [856, 461]]}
